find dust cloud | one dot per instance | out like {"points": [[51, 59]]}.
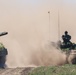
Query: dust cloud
{"points": [[36, 55], [48, 56], [27, 25], [25, 50]]}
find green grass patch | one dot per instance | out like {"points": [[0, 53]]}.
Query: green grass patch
{"points": [[55, 70]]}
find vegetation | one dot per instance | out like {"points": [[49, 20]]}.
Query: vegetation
{"points": [[55, 70]]}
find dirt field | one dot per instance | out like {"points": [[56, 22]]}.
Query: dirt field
{"points": [[16, 71]]}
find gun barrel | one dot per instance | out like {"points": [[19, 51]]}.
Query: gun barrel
{"points": [[3, 33]]}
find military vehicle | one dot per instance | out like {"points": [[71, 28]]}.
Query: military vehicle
{"points": [[70, 46], [3, 52], [70, 49]]}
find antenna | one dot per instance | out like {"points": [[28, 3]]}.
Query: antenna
{"points": [[49, 24], [58, 26]]}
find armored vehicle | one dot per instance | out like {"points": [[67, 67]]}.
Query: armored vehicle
{"points": [[3, 52]]}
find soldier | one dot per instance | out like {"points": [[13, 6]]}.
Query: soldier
{"points": [[66, 39]]}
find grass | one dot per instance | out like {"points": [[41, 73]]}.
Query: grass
{"points": [[55, 70]]}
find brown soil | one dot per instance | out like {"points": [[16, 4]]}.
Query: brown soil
{"points": [[16, 71]]}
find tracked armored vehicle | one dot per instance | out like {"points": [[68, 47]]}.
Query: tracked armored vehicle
{"points": [[69, 48], [3, 52]]}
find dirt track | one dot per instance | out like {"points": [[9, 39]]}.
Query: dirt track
{"points": [[15, 71]]}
